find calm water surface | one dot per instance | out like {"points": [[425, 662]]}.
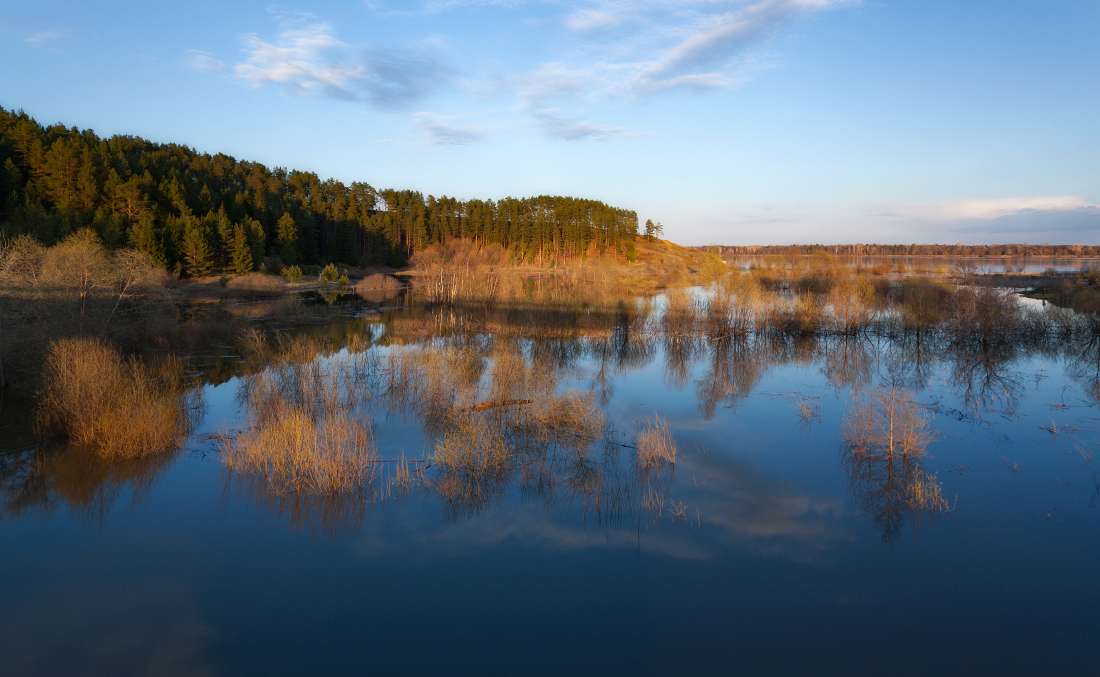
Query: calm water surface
{"points": [[767, 552], [976, 264]]}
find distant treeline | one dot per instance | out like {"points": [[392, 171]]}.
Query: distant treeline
{"points": [[194, 212], [1012, 250]]}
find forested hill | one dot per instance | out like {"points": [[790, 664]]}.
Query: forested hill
{"points": [[191, 211]]}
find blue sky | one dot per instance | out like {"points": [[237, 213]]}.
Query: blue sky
{"points": [[732, 122]]}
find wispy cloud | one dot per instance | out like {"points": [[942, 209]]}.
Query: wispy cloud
{"points": [[44, 37], [608, 51], [558, 126], [716, 39], [444, 130], [308, 60], [203, 61], [640, 48]]}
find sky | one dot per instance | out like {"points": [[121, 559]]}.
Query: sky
{"points": [[729, 121]]}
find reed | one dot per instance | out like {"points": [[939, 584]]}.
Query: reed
{"points": [[655, 444]]}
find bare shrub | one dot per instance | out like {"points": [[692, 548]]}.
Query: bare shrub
{"points": [[808, 314], [746, 296], [886, 420], [679, 317], [924, 302], [378, 288], [119, 408], [850, 302], [984, 313], [378, 282]]}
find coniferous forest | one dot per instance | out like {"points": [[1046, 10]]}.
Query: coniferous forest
{"points": [[195, 213]]}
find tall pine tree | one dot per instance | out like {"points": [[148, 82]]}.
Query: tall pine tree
{"points": [[241, 253]]}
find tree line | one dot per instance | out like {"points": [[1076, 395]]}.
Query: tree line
{"points": [[194, 213], [1011, 250]]}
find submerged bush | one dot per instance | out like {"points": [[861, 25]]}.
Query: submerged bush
{"points": [[297, 452], [117, 407], [378, 287], [378, 281], [886, 421]]}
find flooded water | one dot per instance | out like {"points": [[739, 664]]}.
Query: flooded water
{"points": [[770, 545], [968, 264]]}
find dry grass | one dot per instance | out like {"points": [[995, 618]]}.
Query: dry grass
{"points": [[655, 444], [119, 408], [924, 493], [808, 411], [258, 284]]}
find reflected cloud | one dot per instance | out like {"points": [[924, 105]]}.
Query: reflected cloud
{"points": [[150, 627]]}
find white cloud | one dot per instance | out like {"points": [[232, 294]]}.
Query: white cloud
{"points": [[984, 209]]}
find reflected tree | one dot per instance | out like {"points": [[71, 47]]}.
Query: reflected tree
{"points": [[884, 438]]}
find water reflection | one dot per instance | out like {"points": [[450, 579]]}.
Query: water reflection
{"points": [[494, 418], [983, 376], [44, 479], [885, 436], [484, 392], [734, 368], [849, 362], [1083, 365]]}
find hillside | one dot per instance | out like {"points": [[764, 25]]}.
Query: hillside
{"points": [[196, 213]]}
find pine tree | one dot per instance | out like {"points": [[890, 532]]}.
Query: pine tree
{"points": [[286, 236], [143, 237], [241, 253], [197, 253]]}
